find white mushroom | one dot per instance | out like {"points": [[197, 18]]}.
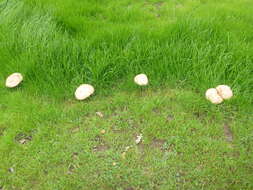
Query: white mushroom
{"points": [[84, 91], [213, 96], [141, 79], [224, 91], [13, 80]]}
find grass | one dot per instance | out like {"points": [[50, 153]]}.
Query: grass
{"points": [[50, 141], [105, 43], [184, 145]]}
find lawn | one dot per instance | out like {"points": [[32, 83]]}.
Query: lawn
{"points": [[50, 141]]}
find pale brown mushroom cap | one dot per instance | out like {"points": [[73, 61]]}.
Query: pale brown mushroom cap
{"points": [[84, 91], [210, 92], [216, 99], [224, 91], [141, 80], [213, 96], [13, 80]]}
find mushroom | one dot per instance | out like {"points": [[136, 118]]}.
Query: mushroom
{"points": [[224, 91], [141, 79], [13, 80], [213, 96], [84, 91]]}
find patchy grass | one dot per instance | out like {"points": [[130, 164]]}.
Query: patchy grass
{"points": [[188, 143]]}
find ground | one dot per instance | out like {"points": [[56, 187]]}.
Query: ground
{"points": [[49, 140], [187, 142]]}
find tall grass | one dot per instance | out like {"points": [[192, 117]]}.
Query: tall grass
{"points": [[92, 42]]}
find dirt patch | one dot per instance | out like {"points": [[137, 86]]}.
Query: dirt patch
{"points": [[228, 133], [158, 143], [162, 145], [101, 146], [170, 117]]}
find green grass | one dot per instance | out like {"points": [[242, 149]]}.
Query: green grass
{"points": [[199, 44], [184, 46], [184, 146]]}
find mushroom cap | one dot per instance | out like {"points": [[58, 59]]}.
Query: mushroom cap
{"points": [[13, 80], [141, 79], [224, 91], [213, 96], [216, 99], [211, 92], [84, 91]]}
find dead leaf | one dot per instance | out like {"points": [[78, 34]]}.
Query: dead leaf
{"points": [[99, 114], [228, 133], [22, 141], [138, 139], [23, 138]]}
